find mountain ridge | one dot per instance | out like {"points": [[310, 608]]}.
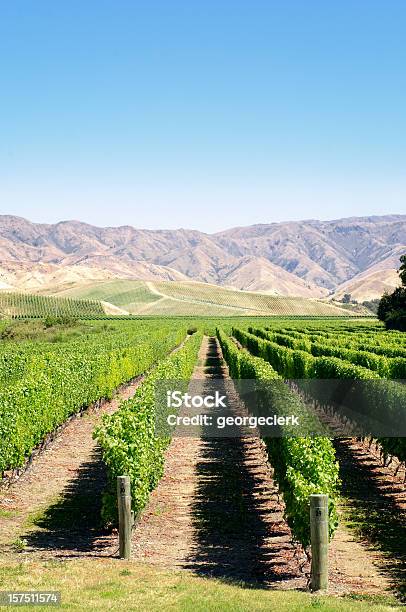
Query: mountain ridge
{"points": [[308, 258]]}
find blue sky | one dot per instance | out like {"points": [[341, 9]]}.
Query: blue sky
{"points": [[204, 115]]}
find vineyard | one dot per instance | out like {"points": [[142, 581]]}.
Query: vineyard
{"points": [[121, 298], [16, 305], [346, 355], [42, 384], [169, 298], [45, 384]]}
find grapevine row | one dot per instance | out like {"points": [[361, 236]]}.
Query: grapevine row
{"points": [[371, 399], [58, 384], [128, 439], [15, 305], [302, 465], [386, 367]]}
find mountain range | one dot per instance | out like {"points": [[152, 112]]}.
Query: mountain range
{"points": [[357, 255]]}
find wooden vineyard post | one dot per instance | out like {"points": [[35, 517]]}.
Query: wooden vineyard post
{"points": [[125, 517], [319, 541]]}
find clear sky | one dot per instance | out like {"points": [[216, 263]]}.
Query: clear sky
{"points": [[202, 114]]}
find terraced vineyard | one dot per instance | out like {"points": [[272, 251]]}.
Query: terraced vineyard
{"points": [[16, 305], [168, 298]]}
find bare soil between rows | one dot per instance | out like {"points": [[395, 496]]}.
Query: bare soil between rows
{"points": [[61, 488], [215, 512]]}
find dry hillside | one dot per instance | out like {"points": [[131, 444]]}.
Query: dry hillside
{"points": [[306, 259]]}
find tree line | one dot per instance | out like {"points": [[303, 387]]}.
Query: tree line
{"points": [[392, 307]]}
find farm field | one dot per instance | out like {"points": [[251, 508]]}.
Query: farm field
{"points": [[225, 521], [156, 298], [203, 306], [14, 305]]}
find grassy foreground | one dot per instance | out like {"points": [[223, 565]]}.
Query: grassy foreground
{"points": [[108, 584]]}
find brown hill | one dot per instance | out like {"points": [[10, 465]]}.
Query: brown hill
{"points": [[259, 274], [26, 275], [369, 285], [326, 253], [294, 258]]}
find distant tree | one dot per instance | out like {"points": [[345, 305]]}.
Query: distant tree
{"points": [[372, 305], [392, 307], [346, 299], [402, 270]]}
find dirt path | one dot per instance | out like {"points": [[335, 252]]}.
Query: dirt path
{"points": [[153, 289], [371, 549], [53, 509], [216, 509], [244, 309], [70, 459]]}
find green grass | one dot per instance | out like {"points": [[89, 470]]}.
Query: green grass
{"points": [[169, 298], [109, 584], [49, 331], [6, 514]]}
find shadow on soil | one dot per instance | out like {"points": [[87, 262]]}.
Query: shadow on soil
{"points": [[73, 522], [373, 511], [230, 509]]}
